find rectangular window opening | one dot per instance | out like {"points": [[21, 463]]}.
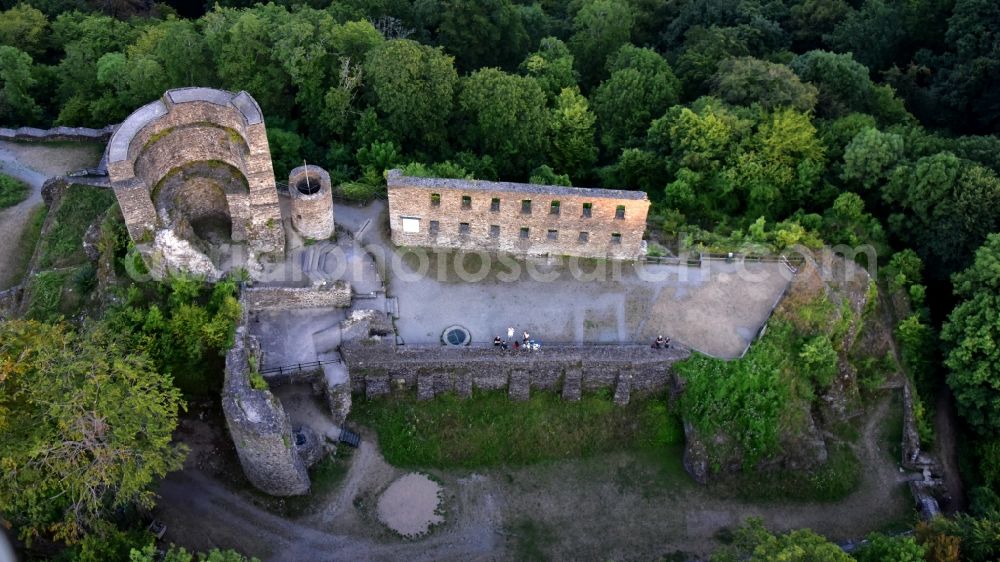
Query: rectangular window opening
{"points": [[620, 212], [466, 202], [494, 231], [435, 199], [587, 210], [524, 233], [554, 208], [552, 234], [464, 228], [526, 206], [616, 238], [584, 237], [495, 204], [410, 224], [434, 227]]}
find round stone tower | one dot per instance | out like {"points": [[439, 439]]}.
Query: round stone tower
{"points": [[312, 201]]}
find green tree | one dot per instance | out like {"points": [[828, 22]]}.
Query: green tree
{"points": [[881, 548], [180, 50], [571, 147], [552, 66], [505, 118], [809, 20], [845, 86], [746, 80], [179, 554], [483, 33], [413, 86], [641, 88], [780, 165], [26, 28], [600, 28], [972, 332], [870, 157], [703, 50], [17, 107], [88, 423], [753, 543], [875, 34]]}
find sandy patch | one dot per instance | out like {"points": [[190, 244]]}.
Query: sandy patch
{"points": [[409, 505]]}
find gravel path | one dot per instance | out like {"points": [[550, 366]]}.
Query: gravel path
{"points": [[33, 164]]}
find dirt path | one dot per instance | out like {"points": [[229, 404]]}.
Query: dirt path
{"points": [[945, 419], [33, 164], [619, 506]]}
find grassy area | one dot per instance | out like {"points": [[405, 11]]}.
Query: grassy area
{"points": [[45, 291], [490, 430], [26, 244], [62, 244], [833, 481], [12, 191]]}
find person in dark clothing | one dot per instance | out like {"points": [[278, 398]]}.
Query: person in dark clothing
{"points": [[503, 345], [496, 341], [659, 343]]}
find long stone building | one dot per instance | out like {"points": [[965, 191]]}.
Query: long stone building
{"points": [[516, 218]]}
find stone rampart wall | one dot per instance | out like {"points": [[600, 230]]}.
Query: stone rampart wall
{"points": [[491, 216], [336, 294], [377, 368], [260, 428], [57, 134]]}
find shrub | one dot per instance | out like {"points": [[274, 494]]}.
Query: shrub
{"points": [[12, 191]]}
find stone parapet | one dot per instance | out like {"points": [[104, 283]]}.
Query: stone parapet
{"points": [[378, 367]]}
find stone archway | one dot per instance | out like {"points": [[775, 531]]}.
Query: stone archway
{"points": [[192, 173]]}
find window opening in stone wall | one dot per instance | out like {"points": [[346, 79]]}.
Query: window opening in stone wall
{"points": [[553, 234], [587, 210], [410, 224], [435, 199], [494, 231], [524, 233], [620, 212], [495, 204], [526, 206], [584, 236], [616, 238], [434, 227], [554, 208], [466, 202], [464, 228]]}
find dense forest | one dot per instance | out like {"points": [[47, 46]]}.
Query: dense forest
{"points": [[753, 123]]}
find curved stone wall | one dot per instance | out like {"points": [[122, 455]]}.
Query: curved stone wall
{"points": [[196, 125], [311, 201]]}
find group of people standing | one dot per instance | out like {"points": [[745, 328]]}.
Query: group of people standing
{"points": [[525, 343]]}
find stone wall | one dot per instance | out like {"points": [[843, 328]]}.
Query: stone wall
{"points": [[56, 134], [312, 213], [336, 294], [493, 216], [378, 367], [260, 428], [186, 126]]}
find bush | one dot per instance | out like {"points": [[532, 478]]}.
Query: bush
{"points": [[360, 192], [12, 191]]}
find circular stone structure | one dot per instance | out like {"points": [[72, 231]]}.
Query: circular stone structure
{"points": [[311, 201], [193, 177], [410, 505], [456, 336]]}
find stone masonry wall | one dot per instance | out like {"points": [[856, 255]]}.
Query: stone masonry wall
{"points": [[377, 368], [260, 428], [312, 214], [197, 125], [336, 294], [491, 216]]}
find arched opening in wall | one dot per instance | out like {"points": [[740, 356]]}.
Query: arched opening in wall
{"points": [[197, 201]]}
